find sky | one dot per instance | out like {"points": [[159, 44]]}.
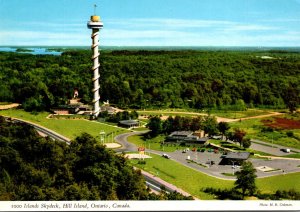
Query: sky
{"points": [[151, 22]]}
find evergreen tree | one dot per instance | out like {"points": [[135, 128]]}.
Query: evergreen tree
{"points": [[246, 179]]}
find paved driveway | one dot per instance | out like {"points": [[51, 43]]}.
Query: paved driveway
{"points": [[216, 170], [273, 149]]}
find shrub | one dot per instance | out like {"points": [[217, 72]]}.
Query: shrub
{"points": [[142, 162], [290, 133], [267, 129]]}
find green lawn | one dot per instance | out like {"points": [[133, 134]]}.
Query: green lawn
{"points": [[296, 155], [167, 113], [67, 127], [280, 182], [5, 103], [238, 114], [154, 143]]}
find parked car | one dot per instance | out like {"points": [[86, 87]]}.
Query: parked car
{"points": [[166, 156]]}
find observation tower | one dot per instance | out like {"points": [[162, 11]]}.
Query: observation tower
{"points": [[95, 24]]}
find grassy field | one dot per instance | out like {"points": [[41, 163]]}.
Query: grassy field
{"points": [[154, 143], [5, 103], [254, 127], [280, 182], [168, 113], [220, 113], [238, 114], [67, 127], [193, 181], [296, 155]]}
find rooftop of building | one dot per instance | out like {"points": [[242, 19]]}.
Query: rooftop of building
{"points": [[238, 155], [128, 122], [181, 133]]}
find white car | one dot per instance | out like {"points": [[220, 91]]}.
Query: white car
{"points": [[166, 156]]}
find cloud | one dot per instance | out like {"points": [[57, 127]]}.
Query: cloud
{"points": [[250, 27], [167, 23], [186, 24], [157, 32], [182, 38], [181, 32]]}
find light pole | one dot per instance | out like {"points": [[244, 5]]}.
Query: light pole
{"points": [[272, 140], [102, 137]]}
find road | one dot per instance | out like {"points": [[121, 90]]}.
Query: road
{"points": [[273, 149], [126, 146], [42, 129]]}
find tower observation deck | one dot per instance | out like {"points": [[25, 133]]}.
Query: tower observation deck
{"points": [[95, 24]]}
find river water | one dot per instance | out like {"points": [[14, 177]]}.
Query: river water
{"points": [[32, 50]]}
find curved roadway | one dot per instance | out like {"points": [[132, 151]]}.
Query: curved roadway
{"points": [[126, 146]]}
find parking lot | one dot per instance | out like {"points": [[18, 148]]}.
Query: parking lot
{"points": [[202, 161]]}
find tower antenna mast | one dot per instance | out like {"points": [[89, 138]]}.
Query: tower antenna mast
{"points": [[95, 6]]}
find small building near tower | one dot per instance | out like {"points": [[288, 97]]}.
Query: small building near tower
{"points": [[236, 158], [74, 106], [186, 136], [65, 109], [76, 94], [129, 123]]}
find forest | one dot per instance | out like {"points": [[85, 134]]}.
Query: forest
{"points": [[155, 79], [37, 168]]}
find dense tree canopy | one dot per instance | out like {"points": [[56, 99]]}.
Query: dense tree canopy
{"points": [[157, 126], [35, 168], [141, 79]]}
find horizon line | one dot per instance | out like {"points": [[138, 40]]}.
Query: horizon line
{"points": [[179, 46]]}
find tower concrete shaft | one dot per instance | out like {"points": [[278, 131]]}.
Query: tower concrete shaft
{"points": [[95, 24]]}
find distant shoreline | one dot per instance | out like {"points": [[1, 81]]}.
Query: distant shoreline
{"points": [[167, 48]]}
